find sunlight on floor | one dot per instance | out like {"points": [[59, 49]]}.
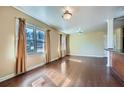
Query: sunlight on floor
{"points": [[75, 60], [38, 83], [66, 83], [55, 77], [58, 78], [63, 67]]}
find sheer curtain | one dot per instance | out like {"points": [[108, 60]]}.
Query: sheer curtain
{"points": [[20, 59], [67, 45], [62, 45]]}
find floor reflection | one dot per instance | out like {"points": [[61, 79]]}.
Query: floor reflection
{"points": [[58, 79], [63, 67], [75, 60]]}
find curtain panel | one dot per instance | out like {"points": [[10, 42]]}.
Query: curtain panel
{"points": [[67, 45], [47, 46], [20, 58]]}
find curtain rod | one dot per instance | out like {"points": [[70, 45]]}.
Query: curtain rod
{"points": [[18, 18]]}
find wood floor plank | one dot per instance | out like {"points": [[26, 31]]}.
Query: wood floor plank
{"points": [[70, 71]]}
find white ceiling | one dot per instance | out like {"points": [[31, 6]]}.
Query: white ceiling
{"points": [[83, 17]]}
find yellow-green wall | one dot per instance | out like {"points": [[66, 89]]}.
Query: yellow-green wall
{"points": [[89, 43]]}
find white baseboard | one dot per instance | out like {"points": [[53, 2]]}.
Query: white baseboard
{"points": [[86, 55], [7, 77], [33, 67], [54, 59], [13, 74]]}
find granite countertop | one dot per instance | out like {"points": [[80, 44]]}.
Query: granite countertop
{"points": [[115, 50]]}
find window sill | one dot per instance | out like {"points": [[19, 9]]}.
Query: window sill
{"points": [[34, 54]]}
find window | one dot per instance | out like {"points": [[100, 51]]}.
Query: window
{"points": [[30, 40], [40, 40], [34, 39]]}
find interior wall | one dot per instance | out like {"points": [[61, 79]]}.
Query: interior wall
{"points": [[7, 41], [88, 43]]}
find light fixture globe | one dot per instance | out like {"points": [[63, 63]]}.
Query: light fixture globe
{"points": [[67, 15]]}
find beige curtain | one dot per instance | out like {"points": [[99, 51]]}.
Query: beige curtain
{"points": [[67, 45], [64, 44], [47, 46], [20, 60]]}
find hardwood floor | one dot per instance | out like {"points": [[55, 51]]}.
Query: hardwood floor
{"points": [[71, 71]]}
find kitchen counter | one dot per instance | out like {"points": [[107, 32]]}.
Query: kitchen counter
{"points": [[117, 62]]}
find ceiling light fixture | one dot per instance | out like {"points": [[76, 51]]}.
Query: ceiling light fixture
{"points": [[67, 14], [80, 31]]}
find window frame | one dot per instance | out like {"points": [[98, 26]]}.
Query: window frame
{"points": [[37, 28], [30, 26], [35, 39]]}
